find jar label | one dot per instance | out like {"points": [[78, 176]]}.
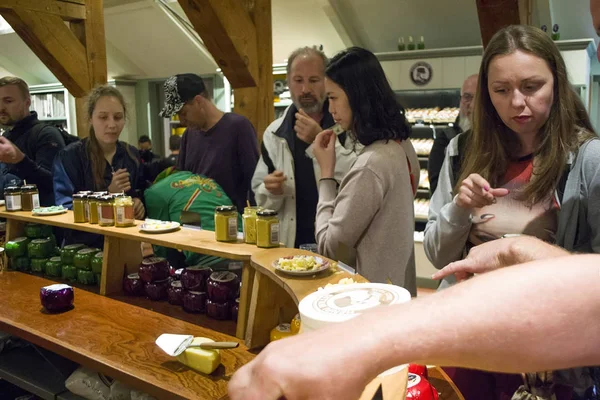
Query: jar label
{"points": [[86, 210], [232, 227], [106, 214], [35, 198], [275, 233], [120, 214], [13, 203]]}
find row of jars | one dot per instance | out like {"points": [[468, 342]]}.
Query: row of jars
{"points": [[103, 208], [21, 198], [260, 226]]}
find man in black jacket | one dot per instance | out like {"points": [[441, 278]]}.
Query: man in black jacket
{"points": [[443, 136], [27, 150]]}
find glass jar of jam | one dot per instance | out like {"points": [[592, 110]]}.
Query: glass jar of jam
{"points": [[175, 293], [218, 310], [267, 229], [249, 224], [79, 201], [226, 223], [30, 197], [12, 197], [194, 302], [194, 278], [106, 211], [223, 286], [157, 290], [124, 215]]}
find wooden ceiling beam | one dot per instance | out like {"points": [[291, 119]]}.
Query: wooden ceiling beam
{"points": [[66, 10], [75, 52], [495, 15], [50, 39], [229, 34]]}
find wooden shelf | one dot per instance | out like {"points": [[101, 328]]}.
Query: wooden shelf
{"points": [[114, 338]]}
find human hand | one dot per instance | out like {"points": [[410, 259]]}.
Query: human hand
{"points": [[305, 127], [324, 151], [274, 182], [120, 182], [138, 208], [315, 365], [475, 192], [499, 254], [9, 153]]}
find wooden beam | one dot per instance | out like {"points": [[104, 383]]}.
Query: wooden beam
{"points": [[83, 2], [230, 36], [50, 39], [67, 11], [495, 15], [256, 103]]}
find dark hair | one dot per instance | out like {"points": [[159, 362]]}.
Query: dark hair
{"points": [[18, 82], [93, 149], [492, 145], [376, 114], [174, 142], [144, 139]]}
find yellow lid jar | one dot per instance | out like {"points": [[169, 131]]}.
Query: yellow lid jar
{"points": [[79, 202], [124, 214], [249, 224], [267, 229], [226, 223], [281, 331]]}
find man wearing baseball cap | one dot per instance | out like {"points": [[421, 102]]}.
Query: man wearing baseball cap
{"points": [[219, 145]]}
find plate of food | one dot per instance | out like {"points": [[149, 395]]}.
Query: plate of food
{"points": [[157, 226], [52, 210], [301, 265]]}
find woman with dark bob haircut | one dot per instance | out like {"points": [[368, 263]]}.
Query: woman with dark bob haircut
{"points": [[371, 212]]}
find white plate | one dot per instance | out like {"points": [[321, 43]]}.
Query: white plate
{"points": [[44, 214], [324, 265], [2, 202], [173, 226]]}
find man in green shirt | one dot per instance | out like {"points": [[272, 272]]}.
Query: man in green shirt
{"points": [[177, 191]]}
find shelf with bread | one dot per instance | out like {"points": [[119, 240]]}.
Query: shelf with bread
{"points": [[434, 115]]}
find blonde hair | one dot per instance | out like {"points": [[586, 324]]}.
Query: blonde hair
{"points": [[492, 145], [18, 82], [93, 150]]}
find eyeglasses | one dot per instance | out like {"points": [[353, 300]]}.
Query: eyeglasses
{"points": [[467, 97]]}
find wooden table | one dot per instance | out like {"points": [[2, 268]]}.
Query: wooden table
{"points": [[114, 338], [122, 252]]}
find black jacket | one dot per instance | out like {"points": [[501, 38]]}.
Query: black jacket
{"points": [[438, 152], [39, 152], [73, 171]]}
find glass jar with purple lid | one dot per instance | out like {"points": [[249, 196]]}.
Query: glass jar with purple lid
{"points": [[223, 286], [175, 293], [194, 278], [194, 302]]}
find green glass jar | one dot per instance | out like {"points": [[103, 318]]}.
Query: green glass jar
{"points": [[267, 229], [39, 264], [21, 263], [226, 223], [85, 277], [83, 259], [16, 247], [68, 252], [40, 248], [69, 272], [54, 267], [97, 262]]}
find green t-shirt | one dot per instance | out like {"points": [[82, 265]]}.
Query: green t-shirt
{"points": [[184, 190]]}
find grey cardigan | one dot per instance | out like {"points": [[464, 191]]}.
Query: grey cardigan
{"points": [[578, 230]]}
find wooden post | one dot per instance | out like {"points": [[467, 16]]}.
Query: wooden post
{"points": [[238, 34], [495, 15], [75, 54]]}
